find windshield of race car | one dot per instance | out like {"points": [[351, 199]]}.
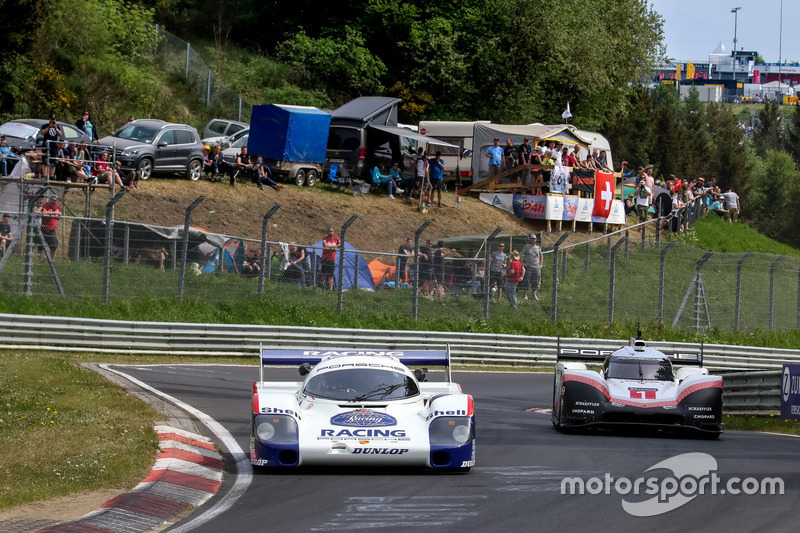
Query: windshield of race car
{"points": [[361, 384], [640, 369]]}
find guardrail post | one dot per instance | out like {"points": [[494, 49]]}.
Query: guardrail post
{"points": [[487, 294], [265, 266], [107, 262], [554, 311], [613, 278], [185, 247], [415, 295], [662, 279], [340, 282], [738, 302], [772, 268]]}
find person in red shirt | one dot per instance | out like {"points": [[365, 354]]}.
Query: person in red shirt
{"points": [[330, 243], [514, 274], [51, 212], [566, 158]]}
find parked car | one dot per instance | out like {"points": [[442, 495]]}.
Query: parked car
{"points": [[219, 128], [226, 142], [22, 135], [155, 146]]}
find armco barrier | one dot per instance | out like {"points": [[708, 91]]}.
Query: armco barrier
{"points": [[132, 337], [752, 393]]}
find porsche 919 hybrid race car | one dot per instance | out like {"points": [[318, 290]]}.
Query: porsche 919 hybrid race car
{"points": [[636, 385], [361, 407]]}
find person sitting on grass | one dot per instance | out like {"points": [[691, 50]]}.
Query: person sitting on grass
{"points": [[262, 175]]}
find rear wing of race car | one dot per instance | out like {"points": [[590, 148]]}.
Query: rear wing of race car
{"points": [[315, 355], [598, 355]]}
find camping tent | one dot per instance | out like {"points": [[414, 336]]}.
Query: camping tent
{"points": [[381, 272], [484, 134], [364, 275], [229, 258]]}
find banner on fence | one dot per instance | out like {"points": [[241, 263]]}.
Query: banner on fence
{"points": [[554, 207], [790, 393]]}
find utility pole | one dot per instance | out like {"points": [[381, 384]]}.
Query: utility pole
{"points": [[735, 12]]}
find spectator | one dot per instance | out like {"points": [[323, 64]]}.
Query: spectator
{"points": [[86, 125], [216, 164], [438, 268], [497, 267], [425, 260], [524, 152], [567, 159], [436, 174], [51, 212], [295, 270], [5, 157], [510, 153], [532, 260], [602, 161], [244, 163], [495, 155], [384, 180], [718, 207], [5, 234], [131, 180], [105, 174], [74, 164], [731, 204], [330, 243], [515, 274], [421, 176], [630, 205], [131, 118], [51, 134], [536, 173], [62, 165], [402, 183], [405, 252], [644, 197], [262, 175], [576, 155]]}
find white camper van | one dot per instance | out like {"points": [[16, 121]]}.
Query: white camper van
{"points": [[457, 133]]}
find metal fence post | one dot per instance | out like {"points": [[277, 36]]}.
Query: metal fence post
{"points": [[608, 251], [188, 53], [644, 234], [340, 282], [772, 268], [415, 294], [262, 258], [126, 243], [185, 247], [357, 265], [239, 116], [208, 89], [487, 258], [738, 302], [564, 265], [698, 289], [107, 254], [627, 247], [554, 310], [662, 279], [613, 278]]}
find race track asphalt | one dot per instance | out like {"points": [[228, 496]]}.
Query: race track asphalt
{"points": [[516, 483]]}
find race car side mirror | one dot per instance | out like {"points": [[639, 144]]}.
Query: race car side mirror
{"points": [[304, 369], [421, 374]]}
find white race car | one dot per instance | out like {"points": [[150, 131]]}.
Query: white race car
{"points": [[361, 407], [636, 385]]}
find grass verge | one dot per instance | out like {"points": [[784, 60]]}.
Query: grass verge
{"points": [[771, 424]]}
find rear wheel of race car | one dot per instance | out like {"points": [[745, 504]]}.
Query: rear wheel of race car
{"points": [[311, 178], [145, 168], [195, 170], [300, 178]]}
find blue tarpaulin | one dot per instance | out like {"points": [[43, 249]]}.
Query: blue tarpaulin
{"points": [[297, 134]]}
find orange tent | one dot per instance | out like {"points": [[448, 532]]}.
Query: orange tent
{"points": [[380, 271]]}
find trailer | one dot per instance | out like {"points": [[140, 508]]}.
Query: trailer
{"points": [[291, 139], [458, 158]]}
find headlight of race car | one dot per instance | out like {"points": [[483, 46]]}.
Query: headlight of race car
{"points": [[450, 431], [276, 429]]}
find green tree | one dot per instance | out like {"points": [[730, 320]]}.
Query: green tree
{"points": [[669, 150], [17, 36], [793, 135], [697, 136], [731, 158], [771, 205], [769, 133], [632, 133]]}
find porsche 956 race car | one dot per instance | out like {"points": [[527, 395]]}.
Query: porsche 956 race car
{"points": [[361, 407], [636, 385]]}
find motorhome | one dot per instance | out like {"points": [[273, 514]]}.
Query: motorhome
{"points": [[458, 158]]}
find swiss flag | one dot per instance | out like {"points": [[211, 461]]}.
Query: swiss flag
{"points": [[603, 193]]}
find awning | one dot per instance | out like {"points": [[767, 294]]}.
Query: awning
{"points": [[403, 132]]}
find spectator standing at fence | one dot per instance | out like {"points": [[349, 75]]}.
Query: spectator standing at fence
{"points": [[5, 156], [5, 234], [524, 152], [644, 196], [436, 174], [495, 155], [532, 260], [731, 204], [425, 260], [51, 212], [497, 268], [438, 267], [510, 153], [515, 274], [51, 133], [330, 243], [420, 176], [86, 125], [405, 252]]}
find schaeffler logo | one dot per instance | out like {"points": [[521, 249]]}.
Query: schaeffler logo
{"points": [[693, 474]]}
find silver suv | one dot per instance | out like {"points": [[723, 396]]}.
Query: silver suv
{"points": [[154, 146]]}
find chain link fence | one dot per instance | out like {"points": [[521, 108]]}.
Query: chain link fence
{"points": [[178, 59], [215, 250]]}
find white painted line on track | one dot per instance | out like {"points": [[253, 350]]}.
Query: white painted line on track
{"points": [[244, 472]]}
